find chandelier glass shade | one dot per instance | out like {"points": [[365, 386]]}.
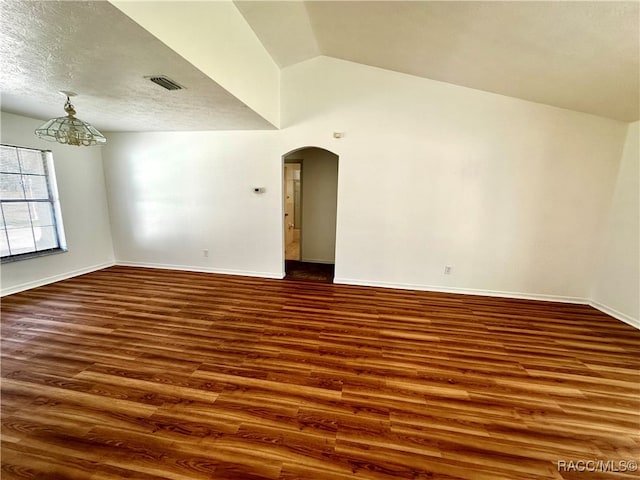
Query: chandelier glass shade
{"points": [[70, 130]]}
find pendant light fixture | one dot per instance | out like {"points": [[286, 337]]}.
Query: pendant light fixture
{"points": [[70, 130]]}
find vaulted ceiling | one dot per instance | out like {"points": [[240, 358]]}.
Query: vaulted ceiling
{"points": [[582, 56]]}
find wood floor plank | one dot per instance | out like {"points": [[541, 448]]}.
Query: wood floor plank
{"points": [[155, 374]]}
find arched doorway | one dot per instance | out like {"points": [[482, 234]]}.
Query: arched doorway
{"points": [[310, 200]]}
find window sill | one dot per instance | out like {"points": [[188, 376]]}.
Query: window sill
{"points": [[26, 256]]}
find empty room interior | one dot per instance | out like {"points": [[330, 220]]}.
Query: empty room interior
{"points": [[320, 240]]}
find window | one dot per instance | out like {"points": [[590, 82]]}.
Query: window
{"points": [[31, 222]]}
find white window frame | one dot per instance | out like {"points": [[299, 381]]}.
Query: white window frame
{"points": [[52, 199]]}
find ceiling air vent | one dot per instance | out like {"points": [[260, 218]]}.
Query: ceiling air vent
{"points": [[165, 82]]}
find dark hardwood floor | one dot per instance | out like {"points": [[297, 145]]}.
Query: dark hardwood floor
{"points": [[152, 374], [316, 272]]}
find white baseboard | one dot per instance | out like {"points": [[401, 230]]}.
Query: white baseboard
{"points": [[464, 291], [623, 317], [55, 278], [496, 293], [634, 322], [188, 268]]}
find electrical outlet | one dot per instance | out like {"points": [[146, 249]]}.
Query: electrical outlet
{"points": [[205, 253], [447, 270]]}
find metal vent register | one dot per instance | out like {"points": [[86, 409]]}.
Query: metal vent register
{"points": [[165, 82]]}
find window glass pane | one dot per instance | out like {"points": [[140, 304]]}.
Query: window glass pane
{"points": [[21, 240], [31, 161], [11, 186], [16, 215], [41, 214], [35, 187], [45, 238], [29, 220], [9, 159], [4, 245]]}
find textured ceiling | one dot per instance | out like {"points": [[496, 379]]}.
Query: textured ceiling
{"points": [[579, 55], [582, 56], [93, 49]]}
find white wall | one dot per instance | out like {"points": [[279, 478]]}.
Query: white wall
{"points": [[617, 283], [215, 38], [173, 195], [319, 205], [81, 187], [511, 194]]}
